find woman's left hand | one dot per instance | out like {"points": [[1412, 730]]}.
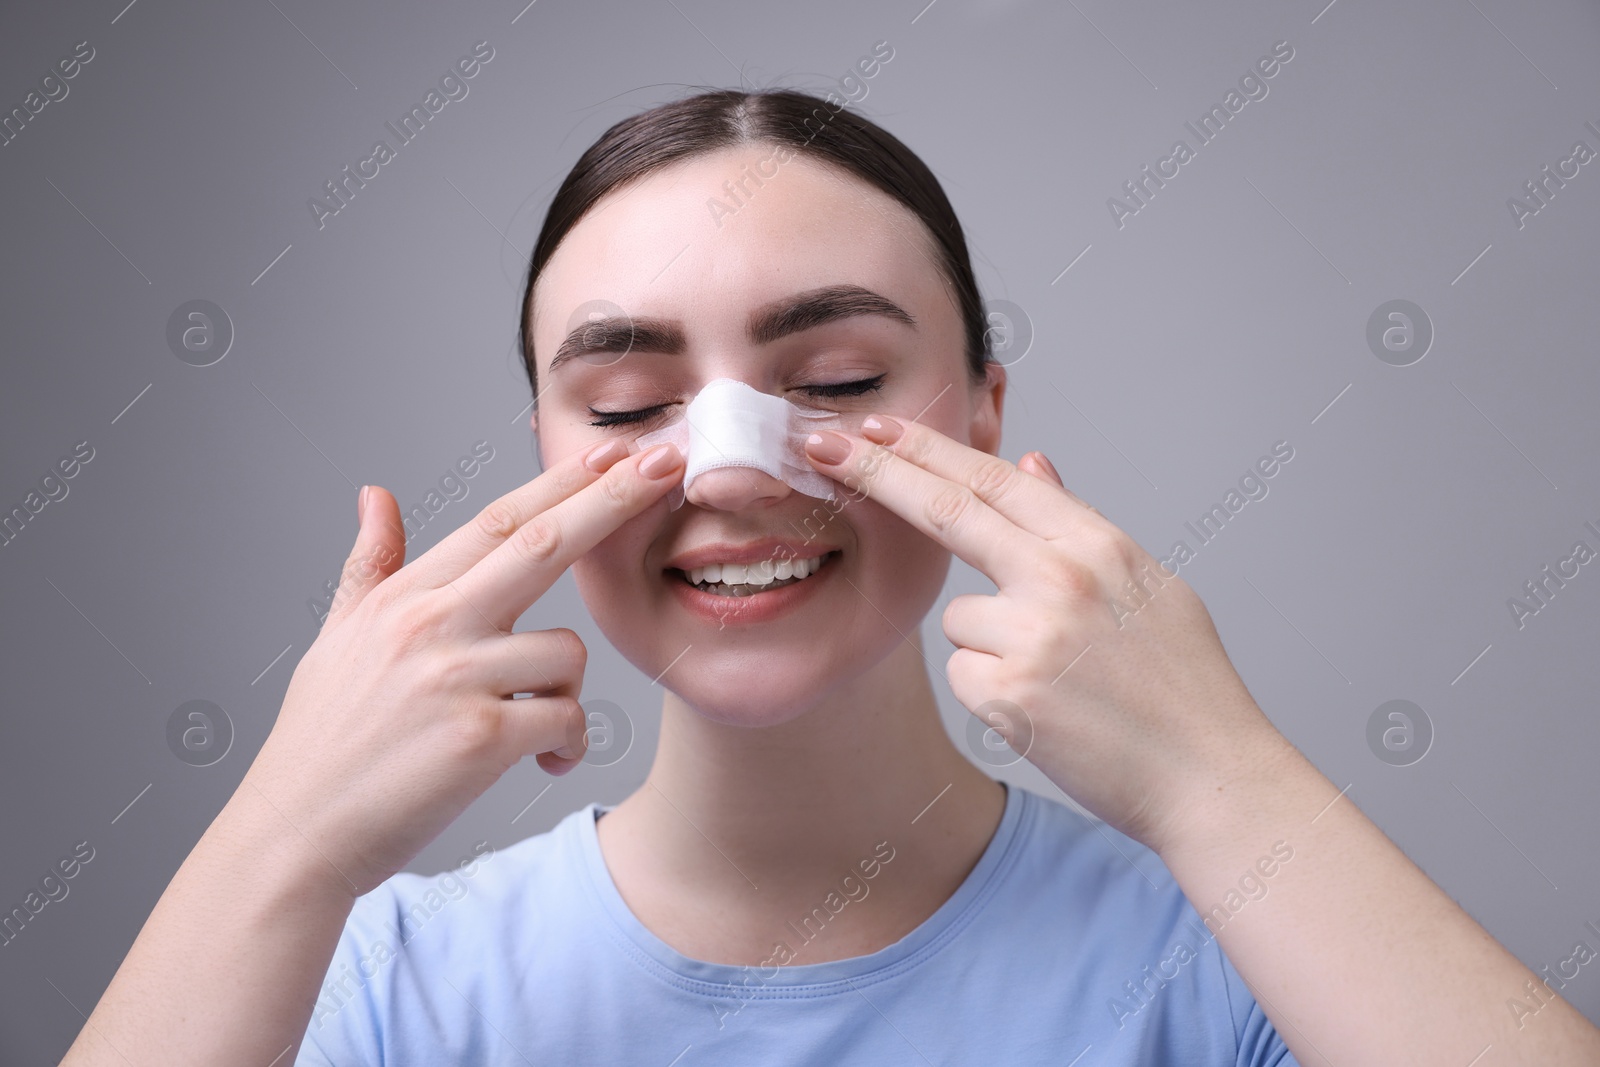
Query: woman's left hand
{"points": [[1136, 712], [1128, 701]]}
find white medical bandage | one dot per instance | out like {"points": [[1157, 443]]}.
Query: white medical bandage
{"points": [[730, 424]]}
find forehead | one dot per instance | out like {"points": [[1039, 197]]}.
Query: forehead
{"points": [[708, 238]]}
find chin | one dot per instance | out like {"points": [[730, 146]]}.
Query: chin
{"points": [[727, 696]]}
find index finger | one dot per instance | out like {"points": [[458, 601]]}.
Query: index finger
{"points": [[947, 511], [504, 516], [1047, 511], [507, 581]]}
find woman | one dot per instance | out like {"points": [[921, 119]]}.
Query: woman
{"points": [[812, 873]]}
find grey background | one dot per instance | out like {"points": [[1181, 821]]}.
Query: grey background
{"points": [[1229, 314]]}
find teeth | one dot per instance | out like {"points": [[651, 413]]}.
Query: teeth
{"points": [[753, 575]]}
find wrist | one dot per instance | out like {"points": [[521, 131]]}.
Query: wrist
{"points": [[277, 850], [1261, 780]]}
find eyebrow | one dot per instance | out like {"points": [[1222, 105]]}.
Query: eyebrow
{"points": [[768, 323]]}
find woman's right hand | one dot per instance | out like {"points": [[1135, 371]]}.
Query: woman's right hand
{"points": [[398, 717], [401, 712]]}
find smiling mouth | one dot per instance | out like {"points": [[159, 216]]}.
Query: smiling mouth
{"points": [[748, 579]]}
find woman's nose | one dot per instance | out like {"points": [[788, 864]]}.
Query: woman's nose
{"points": [[735, 488]]}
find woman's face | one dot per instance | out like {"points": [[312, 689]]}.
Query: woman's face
{"points": [[693, 255]]}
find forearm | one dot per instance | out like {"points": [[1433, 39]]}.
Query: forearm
{"points": [[1356, 956], [227, 967]]}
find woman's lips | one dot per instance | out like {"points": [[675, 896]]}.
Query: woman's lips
{"points": [[758, 606]]}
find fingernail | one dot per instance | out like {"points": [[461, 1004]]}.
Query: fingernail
{"points": [[361, 505], [1044, 461], [827, 447], [565, 752], [882, 429], [660, 462], [604, 455]]}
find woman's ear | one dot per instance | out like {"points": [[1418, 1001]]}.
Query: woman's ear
{"points": [[988, 401]]}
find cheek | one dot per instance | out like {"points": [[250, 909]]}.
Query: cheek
{"points": [[902, 566], [612, 578], [618, 561], [611, 596]]}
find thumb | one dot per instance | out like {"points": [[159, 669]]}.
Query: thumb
{"points": [[379, 550], [1039, 465], [1036, 464]]}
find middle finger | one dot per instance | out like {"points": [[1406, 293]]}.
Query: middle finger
{"points": [[500, 518], [950, 513], [507, 581], [1028, 501]]}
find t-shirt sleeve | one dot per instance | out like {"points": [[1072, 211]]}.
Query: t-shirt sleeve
{"points": [[1260, 1044], [312, 1055]]}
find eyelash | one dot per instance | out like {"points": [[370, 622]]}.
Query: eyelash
{"points": [[837, 389]]}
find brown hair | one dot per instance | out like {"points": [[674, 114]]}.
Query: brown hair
{"points": [[722, 118]]}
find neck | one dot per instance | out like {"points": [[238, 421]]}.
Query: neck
{"points": [[786, 809]]}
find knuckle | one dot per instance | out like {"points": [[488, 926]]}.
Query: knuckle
{"points": [[616, 490], [1043, 647], [948, 506], [570, 647], [1111, 548], [454, 671], [499, 520], [476, 727], [991, 478], [1068, 576], [563, 480], [538, 541], [412, 630]]}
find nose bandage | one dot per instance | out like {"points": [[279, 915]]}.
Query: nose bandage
{"points": [[730, 424]]}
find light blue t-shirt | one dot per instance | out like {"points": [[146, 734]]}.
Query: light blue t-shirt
{"points": [[1061, 947]]}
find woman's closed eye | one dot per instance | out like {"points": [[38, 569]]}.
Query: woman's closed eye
{"points": [[624, 418], [856, 388], [859, 387]]}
